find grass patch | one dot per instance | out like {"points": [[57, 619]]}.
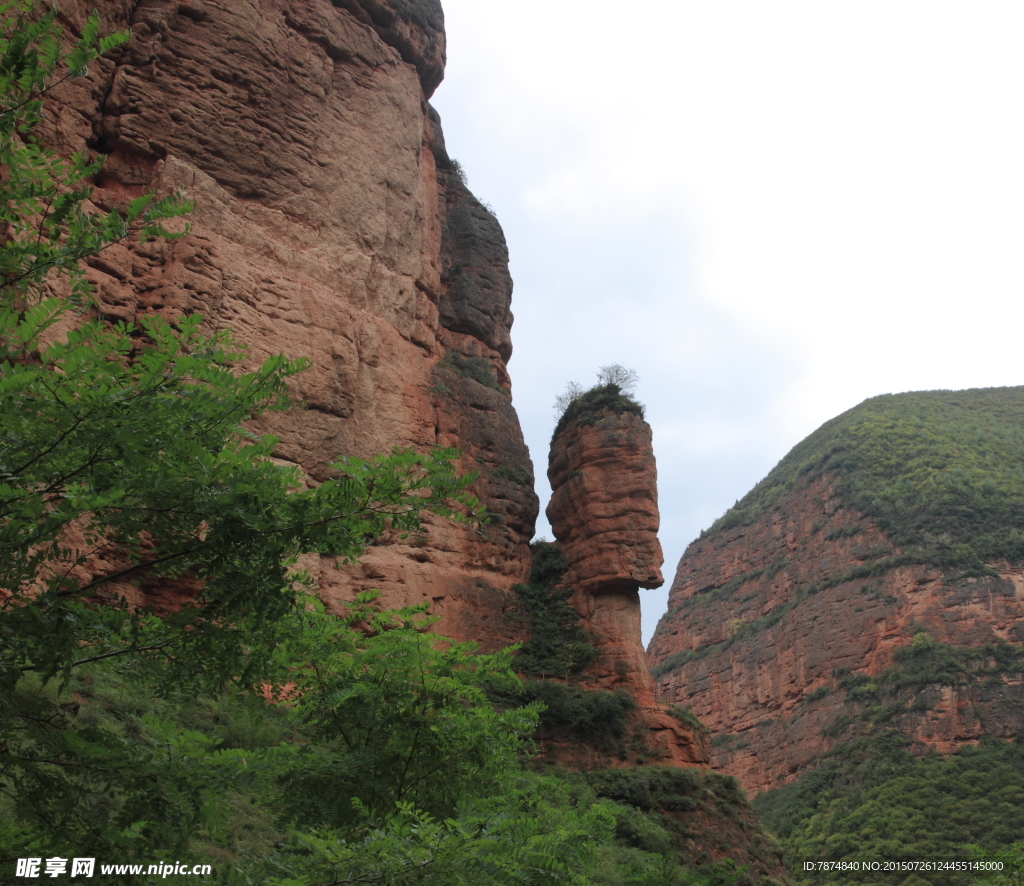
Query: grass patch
{"points": [[685, 715], [478, 369], [521, 475], [842, 532]]}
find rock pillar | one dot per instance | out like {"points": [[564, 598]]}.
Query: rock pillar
{"points": [[604, 512]]}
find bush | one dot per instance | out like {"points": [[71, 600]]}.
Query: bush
{"points": [[589, 406], [557, 644], [667, 788], [521, 475], [479, 369], [939, 471], [818, 694], [650, 787], [634, 828], [579, 713], [684, 714]]}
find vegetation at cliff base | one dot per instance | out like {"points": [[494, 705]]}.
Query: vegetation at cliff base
{"points": [[660, 808], [877, 794], [940, 471], [558, 646], [571, 713], [871, 798], [380, 760], [304, 790]]}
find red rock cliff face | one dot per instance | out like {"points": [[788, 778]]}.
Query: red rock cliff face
{"points": [[329, 224], [604, 501], [761, 617]]}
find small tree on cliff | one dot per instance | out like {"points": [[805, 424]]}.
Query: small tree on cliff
{"points": [[625, 380], [617, 374]]}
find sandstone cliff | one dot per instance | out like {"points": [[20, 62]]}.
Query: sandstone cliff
{"points": [[329, 224], [805, 623]]}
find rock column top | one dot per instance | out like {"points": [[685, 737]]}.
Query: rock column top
{"points": [[604, 503]]}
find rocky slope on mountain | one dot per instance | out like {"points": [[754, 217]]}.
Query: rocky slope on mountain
{"points": [[872, 581], [330, 224]]}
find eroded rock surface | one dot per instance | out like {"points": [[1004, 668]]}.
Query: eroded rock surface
{"points": [[414, 27], [604, 504], [775, 631], [328, 224]]}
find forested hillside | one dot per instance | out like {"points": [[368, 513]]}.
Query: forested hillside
{"points": [[851, 631]]}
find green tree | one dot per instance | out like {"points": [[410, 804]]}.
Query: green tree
{"points": [[408, 773], [406, 719], [1004, 867]]}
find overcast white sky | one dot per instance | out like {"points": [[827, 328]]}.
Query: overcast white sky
{"points": [[770, 210]]}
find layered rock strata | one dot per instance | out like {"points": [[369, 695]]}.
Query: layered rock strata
{"points": [[604, 502], [778, 634], [329, 224]]}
